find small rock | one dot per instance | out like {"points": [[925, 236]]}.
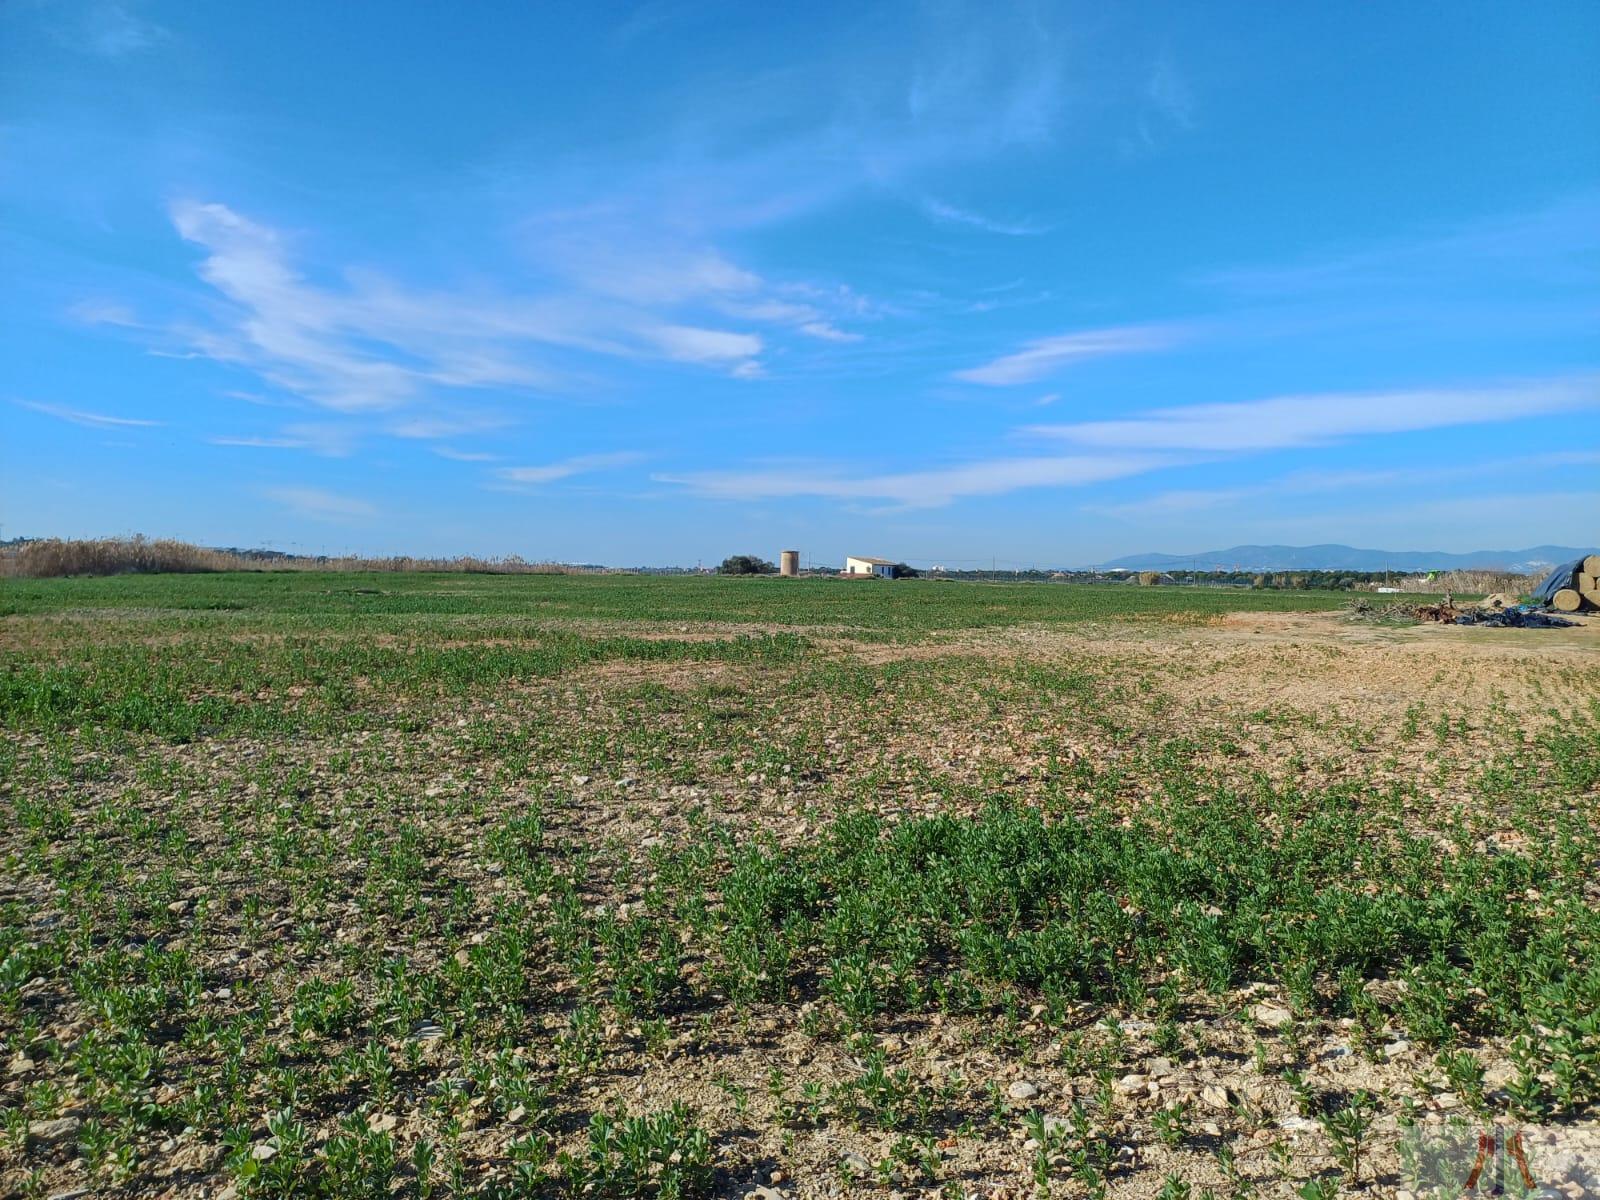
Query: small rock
{"points": [[764, 1193], [855, 1163], [381, 1122], [516, 1115], [1215, 1095], [1129, 1084], [1021, 1089], [70, 1194], [264, 1151], [22, 1064], [1297, 1124], [58, 1130], [1397, 1047], [426, 1031], [1271, 1015]]}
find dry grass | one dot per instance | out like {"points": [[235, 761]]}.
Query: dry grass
{"points": [[55, 558], [1468, 583]]}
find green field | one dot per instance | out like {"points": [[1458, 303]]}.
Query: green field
{"points": [[911, 605], [361, 886]]}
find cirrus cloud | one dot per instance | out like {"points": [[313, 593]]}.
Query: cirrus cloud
{"points": [[1046, 356], [1282, 422]]}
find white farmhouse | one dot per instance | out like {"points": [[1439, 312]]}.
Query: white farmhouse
{"points": [[855, 564]]}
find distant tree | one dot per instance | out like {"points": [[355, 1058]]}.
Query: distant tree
{"points": [[746, 564], [902, 571]]}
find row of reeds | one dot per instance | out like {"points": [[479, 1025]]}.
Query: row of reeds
{"points": [[1465, 583], [50, 558]]}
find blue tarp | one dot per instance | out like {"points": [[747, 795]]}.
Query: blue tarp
{"points": [[1512, 618], [1561, 577]]}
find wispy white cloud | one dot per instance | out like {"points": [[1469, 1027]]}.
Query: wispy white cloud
{"points": [[258, 443], [456, 423], [103, 312], [257, 399], [687, 344], [1549, 244], [950, 214], [629, 242], [319, 504], [1169, 91], [455, 455], [1314, 420], [1164, 438], [368, 348], [374, 346], [1164, 107], [1046, 356], [627, 258], [1180, 502], [829, 333], [579, 465], [109, 29], [78, 416], [327, 439], [918, 489], [1386, 481]]}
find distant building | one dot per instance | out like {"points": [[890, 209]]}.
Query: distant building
{"points": [[855, 564]]}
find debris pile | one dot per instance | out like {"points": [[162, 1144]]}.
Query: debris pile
{"points": [[1444, 612], [1519, 617], [1499, 611]]}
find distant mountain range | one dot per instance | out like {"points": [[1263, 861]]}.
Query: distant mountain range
{"points": [[1348, 558]]}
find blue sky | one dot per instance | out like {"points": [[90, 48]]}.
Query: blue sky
{"points": [[663, 281]]}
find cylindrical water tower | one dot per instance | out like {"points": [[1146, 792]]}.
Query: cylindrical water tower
{"points": [[789, 562]]}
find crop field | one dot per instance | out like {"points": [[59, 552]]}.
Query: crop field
{"points": [[324, 885]]}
